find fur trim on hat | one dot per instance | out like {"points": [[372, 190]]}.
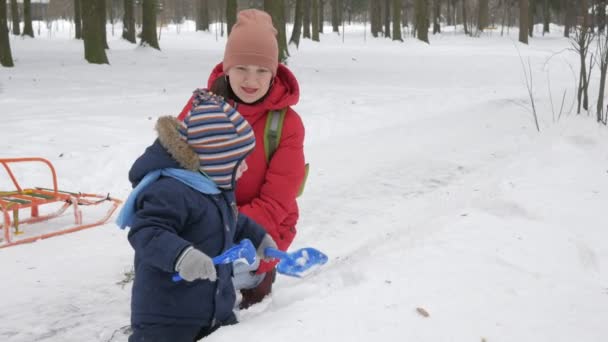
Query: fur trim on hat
{"points": [[169, 137]]}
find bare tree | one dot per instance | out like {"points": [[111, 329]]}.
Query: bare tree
{"points": [[297, 24], [421, 10], [28, 30], [276, 9], [306, 24], [202, 15], [148, 29], [602, 42], [483, 15], [375, 14], [523, 21], [465, 17], [387, 18], [436, 16], [78, 19], [128, 22], [15, 18], [580, 41], [601, 16], [546, 16], [335, 22], [94, 49], [397, 20], [315, 20], [321, 15], [231, 7], [6, 58]]}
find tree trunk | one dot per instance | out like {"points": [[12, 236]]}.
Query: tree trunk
{"points": [[276, 9], [546, 16], [397, 20], [421, 11], [231, 6], [102, 19], [15, 18], [531, 13], [375, 13], [78, 19], [6, 57], [28, 30], [387, 18], [335, 24], [601, 16], [148, 29], [306, 19], [523, 21], [436, 16], [464, 17], [321, 15], [570, 16], [128, 22], [94, 49], [202, 15], [483, 15], [297, 23], [315, 20]]}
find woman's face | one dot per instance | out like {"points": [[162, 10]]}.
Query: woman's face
{"points": [[249, 82]]}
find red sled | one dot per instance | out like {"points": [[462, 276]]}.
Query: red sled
{"points": [[53, 202]]}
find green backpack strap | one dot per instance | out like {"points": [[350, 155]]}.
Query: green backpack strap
{"points": [[272, 137], [272, 132]]}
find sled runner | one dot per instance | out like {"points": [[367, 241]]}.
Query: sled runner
{"points": [[20, 199]]}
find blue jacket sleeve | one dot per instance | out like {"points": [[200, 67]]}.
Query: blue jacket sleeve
{"points": [[160, 214], [246, 228]]}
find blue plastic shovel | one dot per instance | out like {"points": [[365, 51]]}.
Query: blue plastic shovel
{"points": [[244, 250], [298, 263]]}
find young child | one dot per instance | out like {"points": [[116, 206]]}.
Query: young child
{"points": [[251, 79], [182, 213]]}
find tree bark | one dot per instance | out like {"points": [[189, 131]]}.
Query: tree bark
{"points": [[601, 16], [28, 30], [128, 21], [78, 19], [231, 6], [335, 23], [483, 15], [421, 11], [102, 19], [387, 18], [315, 20], [436, 16], [297, 23], [397, 20], [202, 15], [546, 16], [375, 14], [523, 21], [15, 18], [531, 13], [94, 49], [321, 15], [148, 29], [276, 9], [6, 57], [306, 19]]}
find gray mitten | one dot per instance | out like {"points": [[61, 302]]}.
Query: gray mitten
{"points": [[267, 241], [193, 264]]}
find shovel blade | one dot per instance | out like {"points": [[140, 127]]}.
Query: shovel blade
{"points": [[301, 262]]}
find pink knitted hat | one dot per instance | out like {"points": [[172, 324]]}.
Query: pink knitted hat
{"points": [[252, 41]]}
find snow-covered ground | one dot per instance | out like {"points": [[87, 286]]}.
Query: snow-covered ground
{"points": [[430, 188]]}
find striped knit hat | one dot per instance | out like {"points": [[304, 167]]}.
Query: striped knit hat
{"points": [[220, 136]]}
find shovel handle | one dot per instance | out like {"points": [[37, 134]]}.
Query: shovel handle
{"points": [[275, 253]]}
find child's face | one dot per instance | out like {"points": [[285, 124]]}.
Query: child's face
{"points": [[249, 82], [242, 168]]}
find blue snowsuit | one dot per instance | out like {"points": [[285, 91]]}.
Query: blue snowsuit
{"points": [[169, 217]]}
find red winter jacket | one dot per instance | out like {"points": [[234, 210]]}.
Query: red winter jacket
{"points": [[267, 192]]}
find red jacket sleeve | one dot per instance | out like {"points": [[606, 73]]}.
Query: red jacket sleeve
{"points": [[282, 181]]}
